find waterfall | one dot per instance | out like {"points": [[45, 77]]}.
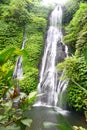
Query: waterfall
{"points": [[54, 52], [18, 72]]}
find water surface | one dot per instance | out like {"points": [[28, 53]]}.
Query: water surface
{"points": [[42, 114]]}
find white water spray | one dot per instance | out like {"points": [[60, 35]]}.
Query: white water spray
{"points": [[48, 84]]}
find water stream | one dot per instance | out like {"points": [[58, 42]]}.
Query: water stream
{"points": [[55, 51], [18, 72]]}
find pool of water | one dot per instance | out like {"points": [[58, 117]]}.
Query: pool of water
{"points": [[41, 115]]}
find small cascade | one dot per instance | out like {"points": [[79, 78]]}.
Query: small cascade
{"points": [[61, 88], [18, 72], [54, 52], [61, 91], [17, 75]]}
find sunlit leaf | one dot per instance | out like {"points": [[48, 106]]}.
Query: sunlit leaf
{"points": [[8, 106], [31, 98], [2, 117], [4, 56], [32, 94], [27, 122]]}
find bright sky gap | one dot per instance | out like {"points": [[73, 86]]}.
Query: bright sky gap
{"points": [[54, 1]]}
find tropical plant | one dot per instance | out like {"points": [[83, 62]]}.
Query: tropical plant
{"points": [[5, 72], [12, 116], [12, 103]]}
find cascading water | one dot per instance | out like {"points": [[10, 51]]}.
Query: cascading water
{"points": [[54, 52], [18, 73]]}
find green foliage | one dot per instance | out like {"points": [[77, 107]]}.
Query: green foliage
{"points": [[5, 55], [4, 1], [15, 18], [85, 53], [10, 35], [76, 68], [34, 47], [30, 81], [16, 12], [76, 71], [11, 117], [76, 31], [5, 72], [38, 24], [76, 97], [69, 9], [69, 64], [81, 42], [30, 62]]}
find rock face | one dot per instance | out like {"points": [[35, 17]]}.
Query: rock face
{"points": [[60, 54]]}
